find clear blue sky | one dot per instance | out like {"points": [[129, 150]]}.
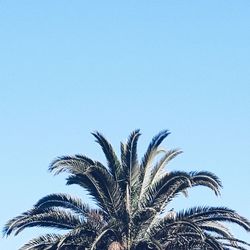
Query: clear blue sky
{"points": [[70, 67]]}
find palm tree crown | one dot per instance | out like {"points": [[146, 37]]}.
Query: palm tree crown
{"points": [[132, 198]]}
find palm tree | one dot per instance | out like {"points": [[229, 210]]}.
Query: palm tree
{"points": [[133, 205]]}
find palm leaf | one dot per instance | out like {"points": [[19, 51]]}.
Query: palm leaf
{"points": [[48, 241], [206, 178], [204, 214], [114, 164], [93, 176], [213, 243], [157, 171], [232, 239], [161, 192], [203, 178], [167, 227], [87, 230], [129, 157], [63, 201], [147, 161], [54, 218], [72, 164]]}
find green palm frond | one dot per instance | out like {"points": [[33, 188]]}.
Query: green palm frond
{"points": [[10, 225], [52, 242], [158, 169], [105, 232], [130, 172], [161, 191], [228, 246], [147, 160], [63, 201], [143, 215], [213, 243], [94, 177], [53, 218], [202, 215], [209, 226], [109, 186], [141, 220], [106, 196], [169, 228], [48, 242], [72, 164], [201, 212], [114, 165], [129, 158], [217, 228], [88, 230], [233, 218], [93, 188], [171, 184], [232, 239], [208, 179]]}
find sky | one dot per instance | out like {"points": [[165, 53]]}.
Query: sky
{"points": [[68, 68]]}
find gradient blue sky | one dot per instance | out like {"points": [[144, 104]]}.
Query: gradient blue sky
{"points": [[71, 67]]}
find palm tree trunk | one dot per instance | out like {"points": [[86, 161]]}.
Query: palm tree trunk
{"points": [[115, 246]]}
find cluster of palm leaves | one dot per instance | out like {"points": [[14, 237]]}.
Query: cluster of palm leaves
{"points": [[132, 199]]}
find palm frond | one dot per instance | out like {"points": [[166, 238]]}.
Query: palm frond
{"points": [[71, 164], [217, 228], [226, 245], [114, 164], [170, 227], [213, 243], [143, 215], [110, 187], [54, 218], [157, 171], [99, 237], [147, 161], [63, 201], [232, 239], [10, 225], [48, 242], [93, 188], [105, 194], [201, 215], [129, 157], [199, 212], [141, 220], [87, 230], [207, 179], [203, 178], [93, 176], [130, 170], [161, 192]]}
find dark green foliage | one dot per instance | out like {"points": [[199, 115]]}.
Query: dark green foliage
{"points": [[133, 199]]}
